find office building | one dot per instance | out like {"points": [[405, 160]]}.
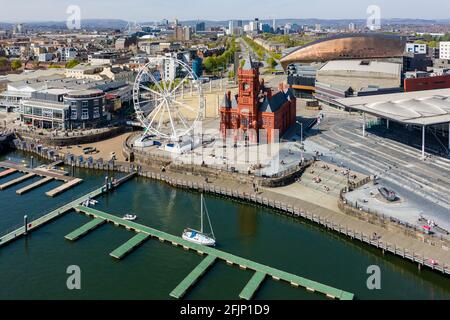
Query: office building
{"points": [[200, 27], [444, 50], [419, 48]]}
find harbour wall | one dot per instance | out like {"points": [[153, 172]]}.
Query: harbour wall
{"points": [[287, 205], [75, 139]]}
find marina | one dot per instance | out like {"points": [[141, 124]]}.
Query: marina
{"points": [[212, 254], [47, 174], [256, 285]]}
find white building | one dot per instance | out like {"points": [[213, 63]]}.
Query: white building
{"points": [[230, 30], [170, 69], [254, 25], [45, 57], [287, 28], [67, 54], [13, 51], [102, 58], [444, 50], [418, 48], [187, 32]]}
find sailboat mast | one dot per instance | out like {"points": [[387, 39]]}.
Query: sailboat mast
{"points": [[201, 213]]}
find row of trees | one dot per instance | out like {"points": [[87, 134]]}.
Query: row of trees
{"points": [[433, 42], [17, 64], [288, 40], [214, 63], [261, 52]]}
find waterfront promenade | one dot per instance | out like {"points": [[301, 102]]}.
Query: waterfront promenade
{"points": [[434, 254]]}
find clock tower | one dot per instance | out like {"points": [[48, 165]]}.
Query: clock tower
{"points": [[249, 86]]}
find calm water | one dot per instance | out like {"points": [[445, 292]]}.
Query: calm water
{"points": [[35, 267]]}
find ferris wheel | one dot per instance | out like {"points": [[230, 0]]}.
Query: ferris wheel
{"points": [[168, 99]]}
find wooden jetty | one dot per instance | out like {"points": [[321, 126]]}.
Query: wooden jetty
{"points": [[47, 174], [17, 181], [35, 185]]}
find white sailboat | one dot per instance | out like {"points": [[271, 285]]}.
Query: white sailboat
{"points": [[200, 237]]}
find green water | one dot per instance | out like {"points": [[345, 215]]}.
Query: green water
{"points": [[35, 267]]}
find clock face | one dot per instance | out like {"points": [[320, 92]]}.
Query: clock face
{"points": [[246, 86]]}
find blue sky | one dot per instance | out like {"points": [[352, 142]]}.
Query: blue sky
{"points": [[148, 10]]}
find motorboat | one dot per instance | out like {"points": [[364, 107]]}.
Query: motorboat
{"points": [[200, 237], [93, 202], [129, 217]]}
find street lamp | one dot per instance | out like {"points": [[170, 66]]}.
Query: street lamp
{"points": [[301, 132], [301, 141]]}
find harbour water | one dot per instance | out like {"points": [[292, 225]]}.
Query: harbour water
{"points": [[35, 267]]}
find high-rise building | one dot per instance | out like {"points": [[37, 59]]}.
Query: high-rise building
{"points": [[256, 26], [265, 28], [239, 24], [287, 28], [351, 27], [274, 25], [179, 34], [18, 29], [187, 32], [200, 26], [231, 27]]}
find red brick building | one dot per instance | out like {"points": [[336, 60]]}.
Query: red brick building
{"points": [[427, 83], [256, 107]]}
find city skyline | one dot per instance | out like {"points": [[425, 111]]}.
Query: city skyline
{"points": [[140, 10]]}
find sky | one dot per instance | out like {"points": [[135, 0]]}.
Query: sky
{"points": [[151, 10]]}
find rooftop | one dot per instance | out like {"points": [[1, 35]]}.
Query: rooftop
{"points": [[45, 104], [419, 108], [363, 66]]}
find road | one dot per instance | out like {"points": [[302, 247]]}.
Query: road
{"points": [[427, 183]]}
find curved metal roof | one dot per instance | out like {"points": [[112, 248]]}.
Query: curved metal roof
{"points": [[348, 46], [421, 107]]}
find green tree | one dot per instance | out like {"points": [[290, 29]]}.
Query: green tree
{"points": [[208, 64], [4, 62], [271, 62], [72, 63], [16, 64]]}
